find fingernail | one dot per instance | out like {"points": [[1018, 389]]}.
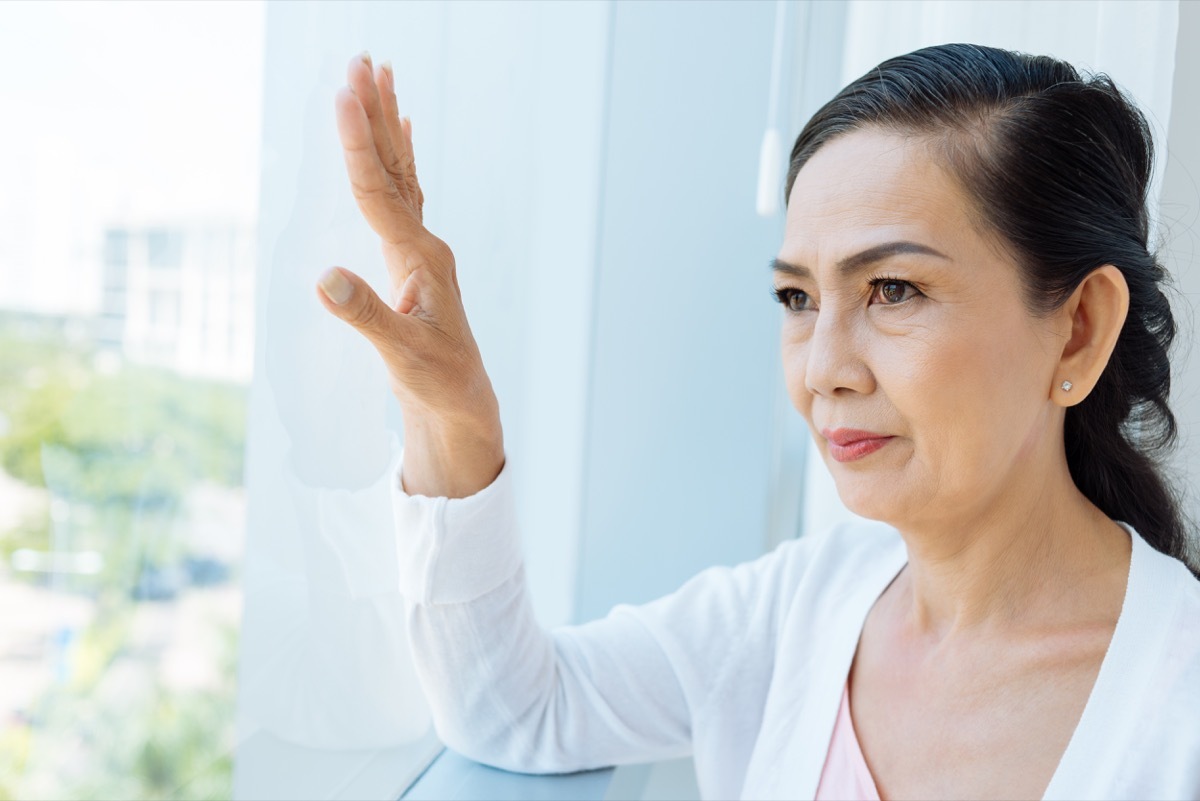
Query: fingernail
{"points": [[335, 286], [387, 70], [366, 57]]}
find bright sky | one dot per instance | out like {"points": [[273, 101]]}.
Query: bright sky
{"points": [[119, 113]]}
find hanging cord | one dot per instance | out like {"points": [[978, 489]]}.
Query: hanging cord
{"points": [[770, 155]]}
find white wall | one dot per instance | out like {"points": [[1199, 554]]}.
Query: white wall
{"points": [[685, 357]]}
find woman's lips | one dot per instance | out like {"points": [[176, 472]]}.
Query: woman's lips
{"points": [[848, 444]]}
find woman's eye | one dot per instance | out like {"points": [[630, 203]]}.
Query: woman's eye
{"points": [[794, 300], [890, 291]]}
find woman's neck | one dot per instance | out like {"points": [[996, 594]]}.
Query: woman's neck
{"points": [[1039, 553]]}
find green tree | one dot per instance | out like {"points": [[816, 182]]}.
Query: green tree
{"points": [[119, 450]]}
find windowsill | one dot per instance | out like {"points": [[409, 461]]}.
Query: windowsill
{"points": [[453, 777], [267, 767]]}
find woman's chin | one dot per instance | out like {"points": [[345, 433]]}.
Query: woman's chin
{"points": [[873, 500]]}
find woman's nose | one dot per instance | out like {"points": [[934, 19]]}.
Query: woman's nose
{"points": [[837, 357]]}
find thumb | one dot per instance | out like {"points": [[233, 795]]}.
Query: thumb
{"points": [[350, 298]]}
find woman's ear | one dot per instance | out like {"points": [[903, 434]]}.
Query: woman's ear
{"points": [[1096, 311]]}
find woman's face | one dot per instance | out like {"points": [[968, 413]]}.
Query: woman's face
{"points": [[906, 345]]}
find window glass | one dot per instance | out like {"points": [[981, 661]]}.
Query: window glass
{"points": [[163, 248], [126, 344]]}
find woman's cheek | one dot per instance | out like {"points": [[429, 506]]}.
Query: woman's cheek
{"points": [[795, 366]]}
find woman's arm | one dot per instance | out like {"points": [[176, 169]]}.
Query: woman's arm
{"points": [[686, 672]]}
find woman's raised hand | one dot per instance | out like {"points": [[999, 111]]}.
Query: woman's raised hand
{"points": [[453, 441]]}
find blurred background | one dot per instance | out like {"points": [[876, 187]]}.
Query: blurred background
{"points": [[128, 204], [192, 452]]}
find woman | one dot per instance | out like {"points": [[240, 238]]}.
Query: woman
{"points": [[975, 334]]}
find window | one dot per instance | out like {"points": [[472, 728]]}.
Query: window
{"points": [[122, 501]]}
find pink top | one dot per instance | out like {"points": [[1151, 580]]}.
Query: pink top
{"points": [[845, 776]]}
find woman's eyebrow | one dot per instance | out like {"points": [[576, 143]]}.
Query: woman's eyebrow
{"points": [[860, 261]]}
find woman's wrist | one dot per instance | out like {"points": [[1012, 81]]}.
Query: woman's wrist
{"points": [[451, 459]]}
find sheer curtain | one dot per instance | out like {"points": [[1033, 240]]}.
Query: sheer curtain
{"points": [[315, 710], [1133, 42], [1179, 233]]}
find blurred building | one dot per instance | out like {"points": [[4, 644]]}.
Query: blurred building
{"points": [[180, 297]]}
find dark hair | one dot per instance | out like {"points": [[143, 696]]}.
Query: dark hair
{"points": [[1057, 164]]}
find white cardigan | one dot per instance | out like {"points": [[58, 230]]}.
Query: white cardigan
{"points": [[744, 667]]}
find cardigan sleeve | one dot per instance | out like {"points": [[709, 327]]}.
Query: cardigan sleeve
{"points": [[626, 688]]}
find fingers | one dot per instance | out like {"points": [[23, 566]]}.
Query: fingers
{"points": [[410, 292], [385, 85], [362, 78], [404, 171], [351, 299], [410, 173], [367, 175]]}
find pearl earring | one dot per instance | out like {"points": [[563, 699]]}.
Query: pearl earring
{"points": [[1066, 386]]}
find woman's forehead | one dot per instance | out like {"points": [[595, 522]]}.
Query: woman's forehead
{"points": [[872, 186]]}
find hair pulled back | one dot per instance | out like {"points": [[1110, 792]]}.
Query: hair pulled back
{"points": [[1058, 165]]}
